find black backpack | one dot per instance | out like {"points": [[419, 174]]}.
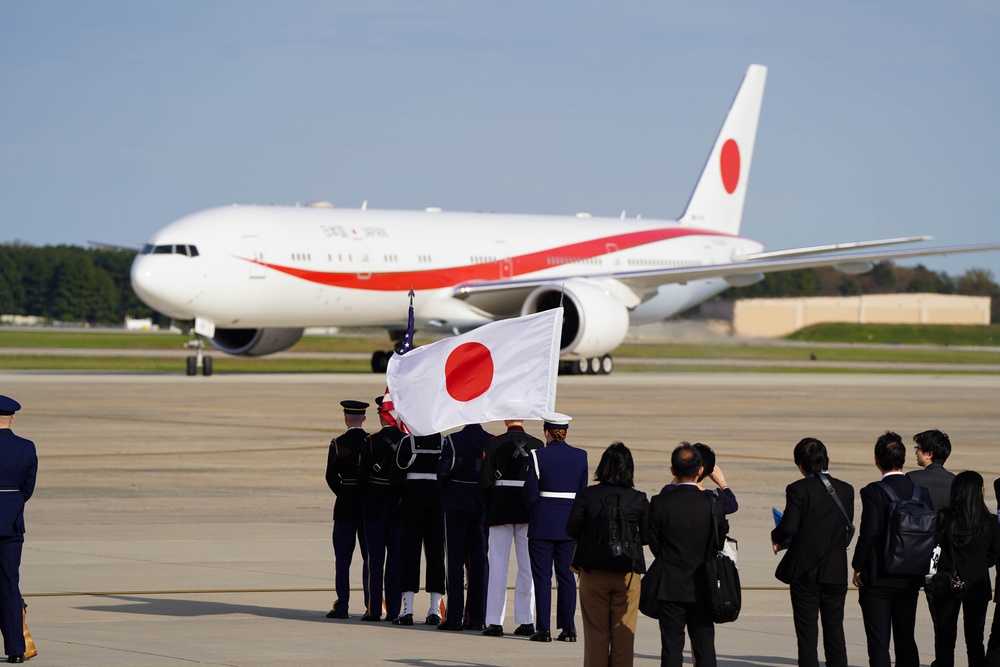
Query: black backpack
{"points": [[615, 538], [909, 538]]}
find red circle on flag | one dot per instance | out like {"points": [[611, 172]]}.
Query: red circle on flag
{"points": [[729, 163], [468, 372]]}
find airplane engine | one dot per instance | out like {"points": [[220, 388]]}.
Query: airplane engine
{"points": [[594, 320], [255, 342]]}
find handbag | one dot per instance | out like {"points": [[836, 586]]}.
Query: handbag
{"points": [[723, 577], [29, 644], [649, 590], [945, 583]]}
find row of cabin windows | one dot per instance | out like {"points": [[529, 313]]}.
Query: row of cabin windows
{"points": [[475, 259], [189, 250]]}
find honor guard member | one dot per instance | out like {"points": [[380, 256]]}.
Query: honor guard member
{"points": [[422, 523], [342, 478], [556, 473], [465, 527], [18, 466], [501, 483], [380, 513]]}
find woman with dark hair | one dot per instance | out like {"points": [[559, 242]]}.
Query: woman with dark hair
{"points": [[609, 523], [970, 542]]}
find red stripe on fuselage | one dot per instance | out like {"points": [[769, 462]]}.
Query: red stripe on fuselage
{"points": [[520, 266]]}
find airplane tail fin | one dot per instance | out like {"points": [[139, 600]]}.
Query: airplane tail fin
{"points": [[717, 200]]}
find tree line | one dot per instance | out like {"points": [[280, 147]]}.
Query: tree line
{"points": [[75, 284]]}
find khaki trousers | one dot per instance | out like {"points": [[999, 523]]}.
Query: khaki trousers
{"points": [[609, 603]]}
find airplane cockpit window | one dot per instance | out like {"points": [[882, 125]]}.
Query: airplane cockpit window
{"points": [[187, 250]]}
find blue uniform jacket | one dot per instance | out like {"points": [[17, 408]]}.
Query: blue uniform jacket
{"points": [[555, 474], [460, 466], [18, 466]]}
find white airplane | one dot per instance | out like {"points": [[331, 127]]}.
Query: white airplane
{"points": [[251, 278]]}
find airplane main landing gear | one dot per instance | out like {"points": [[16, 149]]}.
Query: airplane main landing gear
{"points": [[588, 366], [199, 359]]}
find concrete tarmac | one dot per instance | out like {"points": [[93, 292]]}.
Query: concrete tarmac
{"points": [[186, 520]]}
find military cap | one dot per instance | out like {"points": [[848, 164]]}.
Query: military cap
{"points": [[556, 420], [354, 407], [8, 406], [378, 401]]}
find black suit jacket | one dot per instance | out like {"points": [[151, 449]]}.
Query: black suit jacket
{"points": [[583, 525], [680, 523], [973, 560], [868, 555], [936, 480], [818, 553]]}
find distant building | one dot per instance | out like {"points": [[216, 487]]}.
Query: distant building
{"points": [[139, 324], [780, 317]]}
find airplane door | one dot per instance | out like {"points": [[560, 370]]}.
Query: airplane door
{"points": [[255, 252], [503, 260], [611, 249], [361, 260]]}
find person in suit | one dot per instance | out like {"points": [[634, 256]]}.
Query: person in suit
{"points": [[970, 539], [18, 468], [380, 514], [556, 473], [609, 583], [932, 449], [815, 564], [993, 645], [888, 602], [348, 529], [501, 483], [465, 527], [680, 524], [422, 523]]}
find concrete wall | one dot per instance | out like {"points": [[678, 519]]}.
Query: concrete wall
{"points": [[779, 317]]}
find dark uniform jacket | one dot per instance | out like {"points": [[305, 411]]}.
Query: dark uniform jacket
{"points": [[416, 471], [18, 466], [460, 467], [556, 473], [342, 473], [504, 462], [818, 553], [380, 496], [680, 522], [869, 557], [583, 527], [936, 480]]}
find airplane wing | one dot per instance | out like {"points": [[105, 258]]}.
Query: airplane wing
{"points": [[503, 298], [836, 247]]}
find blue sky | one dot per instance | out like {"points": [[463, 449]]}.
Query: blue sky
{"points": [[879, 119]]}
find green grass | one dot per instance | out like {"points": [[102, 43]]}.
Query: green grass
{"points": [[767, 352], [221, 364], [901, 334]]}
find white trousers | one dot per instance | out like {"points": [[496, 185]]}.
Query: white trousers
{"points": [[524, 591]]}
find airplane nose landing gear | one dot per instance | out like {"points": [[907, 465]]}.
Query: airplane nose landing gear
{"points": [[199, 359]]}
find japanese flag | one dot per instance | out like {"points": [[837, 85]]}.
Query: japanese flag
{"points": [[502, 370]]}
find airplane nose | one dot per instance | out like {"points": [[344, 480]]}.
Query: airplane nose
{"points": [[157, 285]]}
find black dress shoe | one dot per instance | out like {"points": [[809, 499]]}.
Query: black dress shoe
{"points": [[454, 626], [405, 619], [333, 613], [493, 631], [567, 635], [540, 636], [432, 619], [16, 659], [525, 630], [479, 627], [371, 618]]}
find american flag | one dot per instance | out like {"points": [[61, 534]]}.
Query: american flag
{"points": [[388, 409]]}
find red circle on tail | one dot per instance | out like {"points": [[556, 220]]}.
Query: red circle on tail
{"points": [[729, 163], [468, 372]]}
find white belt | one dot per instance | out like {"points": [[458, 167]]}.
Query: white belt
{"points": [[19, 490], [464, 481], [557, 494], [421, 475], [509, 482]]}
